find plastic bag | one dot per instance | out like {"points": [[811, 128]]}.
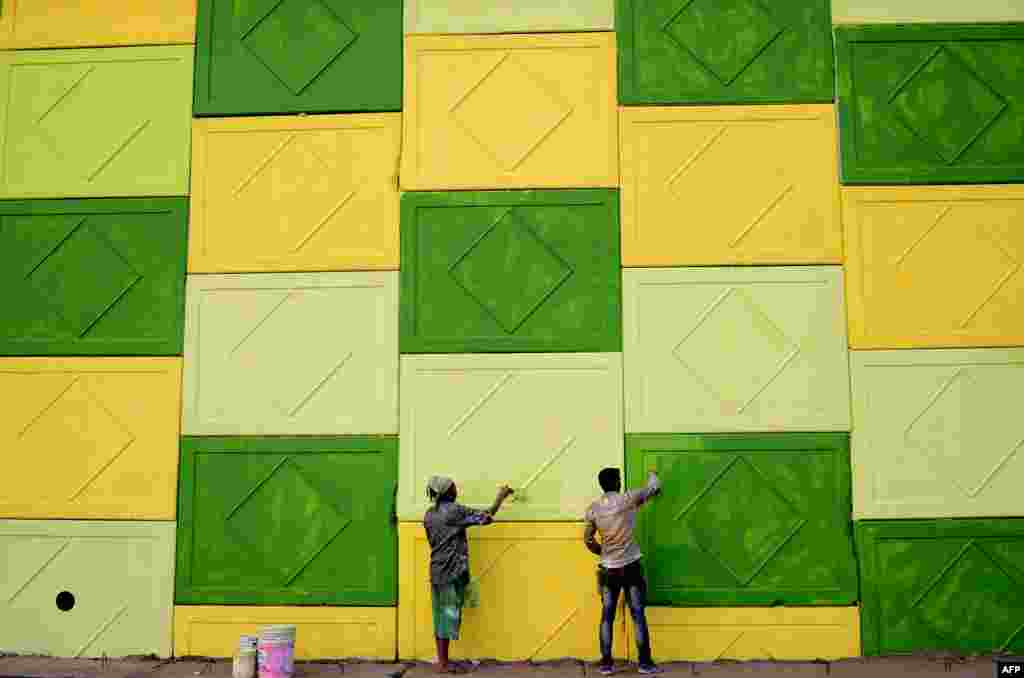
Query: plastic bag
{"points": [[472, 596]]}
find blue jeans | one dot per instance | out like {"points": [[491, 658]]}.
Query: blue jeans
{"points": [[631, 580]]}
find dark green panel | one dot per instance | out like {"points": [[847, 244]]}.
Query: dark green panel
{"points": [[931, 104], [103, 276], [298, 56], [287, 521], [511, 271], [724, 51], [942, 585], [746, 519]]}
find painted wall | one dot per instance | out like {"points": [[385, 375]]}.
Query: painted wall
{"points": [[261, 287]]}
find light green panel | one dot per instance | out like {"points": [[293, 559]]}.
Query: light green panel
{"points": [[508, 16], [925, 11], [96, 122], [119, 574], [737, 349], [291, 354], [544, 423], [939, 433]]}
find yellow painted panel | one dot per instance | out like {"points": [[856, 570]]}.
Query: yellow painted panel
{"points": [[509, 111], [935, 266], [746, 633], [518, 581], [32, 24], [321, 632], [90, 437], [729, 185], [292, 193]]}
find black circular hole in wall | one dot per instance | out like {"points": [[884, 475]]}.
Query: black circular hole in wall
{"points": [[65, 601]]}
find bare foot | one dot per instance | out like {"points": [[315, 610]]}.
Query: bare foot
{"points": [[451, 667]]}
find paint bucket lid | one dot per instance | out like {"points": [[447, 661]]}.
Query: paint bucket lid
{"points": [[278, 633], [247, 643]]}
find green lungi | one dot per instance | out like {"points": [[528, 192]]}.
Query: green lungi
{"points": [[448, 601]]}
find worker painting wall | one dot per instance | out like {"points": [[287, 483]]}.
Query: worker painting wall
{"points": [[272, 265]]}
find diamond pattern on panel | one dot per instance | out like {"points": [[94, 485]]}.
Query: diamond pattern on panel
{"points": [[532, 271], [952, 585], [742, 535], [958, 610], [296, 40], [119, 573], [77, 420], [738, 381], [278, 520], [282, 503], [537, 422], [301, 384], [513, 89], [926, 104], [751, 25], [311, 180], [59, 123], [770, 178], [82, 301], [751, 348], [510, 112], [955, 239], [277, 354], [758, 519], [903, 245], [956, 422], [930, 103]]}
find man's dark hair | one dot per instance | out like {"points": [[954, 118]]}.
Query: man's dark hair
{"points": [[609, 480]]}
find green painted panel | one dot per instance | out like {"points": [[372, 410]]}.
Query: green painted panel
{"points": [[86, 588], [114, 121], [288, 521], [931, 104], [942, 585], [510, 271], [102, 276], [746, 519], [296, 56], [724, 51]]}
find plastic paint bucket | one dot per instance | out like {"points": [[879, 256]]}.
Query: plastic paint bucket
{"points": [[247, 645], [276, 647]]}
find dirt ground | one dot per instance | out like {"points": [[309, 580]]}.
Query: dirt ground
{"points": [[885, 667]]}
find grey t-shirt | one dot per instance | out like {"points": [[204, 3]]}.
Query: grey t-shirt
{"points": [[446, 532], [614, 517]]}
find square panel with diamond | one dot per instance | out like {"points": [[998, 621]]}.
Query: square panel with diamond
{"points": [[931, 104], [724, 51], [87, 588], [734, 349], [949, 585], [746, 519], [511, 111], [295, 56], [287, 521], [100, 276], [939, 433], [510, 271]]}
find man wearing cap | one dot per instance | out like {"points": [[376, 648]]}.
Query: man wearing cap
{"points": [[445, 523]]}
